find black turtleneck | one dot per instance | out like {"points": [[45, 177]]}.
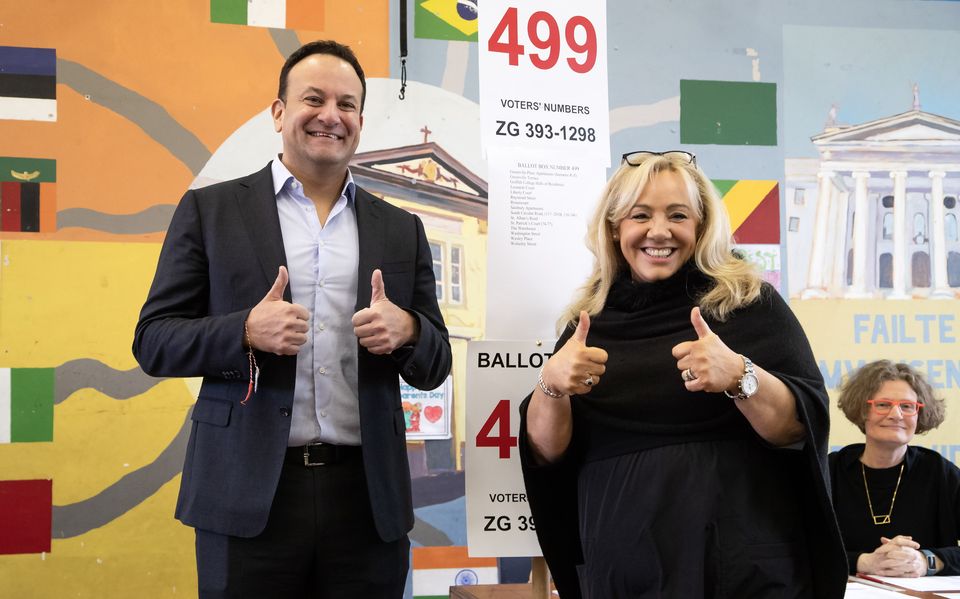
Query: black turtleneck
{"points": [[641, 401]]}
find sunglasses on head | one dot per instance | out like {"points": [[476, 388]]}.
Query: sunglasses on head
{"points": [[637, 158]]}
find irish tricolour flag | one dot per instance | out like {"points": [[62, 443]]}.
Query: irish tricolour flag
{"points": [[436, 569], [278, 14], [26, 405]]}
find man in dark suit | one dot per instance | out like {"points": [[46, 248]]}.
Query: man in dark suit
{"points": [[300, 299]]}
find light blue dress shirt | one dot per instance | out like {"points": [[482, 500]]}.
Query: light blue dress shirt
{"points": [[322, 261]]}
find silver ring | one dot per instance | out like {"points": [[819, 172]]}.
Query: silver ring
{"points": [[687, 375], [589, 381]]}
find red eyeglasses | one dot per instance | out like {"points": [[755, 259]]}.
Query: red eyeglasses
{"points": [[907, 407]]}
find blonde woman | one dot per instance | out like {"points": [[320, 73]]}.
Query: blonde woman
{"points": [[675, 443], [898, 505]]}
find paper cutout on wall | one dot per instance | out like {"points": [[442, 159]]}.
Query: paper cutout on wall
{"points": [[28, 201], [446, 20], [754, 209], [28, 83], [436, 569], [728, 112], [278, 14], [25, 515]]}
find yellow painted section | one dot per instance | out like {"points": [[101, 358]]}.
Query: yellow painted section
{"points": [[743, 198], [144, 553], [465, 321], [62, 301]]}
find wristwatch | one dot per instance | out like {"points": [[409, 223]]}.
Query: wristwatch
{"points": [[931, 561], [749, 383]]}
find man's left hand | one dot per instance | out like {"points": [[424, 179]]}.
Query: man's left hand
{"points": [[383, 327]]}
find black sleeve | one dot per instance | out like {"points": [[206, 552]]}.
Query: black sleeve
{"points": [[552, 494], [176, 334], [426, 364]]}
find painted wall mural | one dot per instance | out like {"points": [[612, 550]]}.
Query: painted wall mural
{"points": [[805, 116]]}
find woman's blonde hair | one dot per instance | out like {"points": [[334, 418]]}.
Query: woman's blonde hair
{"points": [[737, 282], [865, 382]]}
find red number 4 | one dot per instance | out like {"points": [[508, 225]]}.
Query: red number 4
{"points": [[503, 440], [512, 47]]}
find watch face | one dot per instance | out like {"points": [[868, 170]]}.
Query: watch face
{"points": [[749, 384]]}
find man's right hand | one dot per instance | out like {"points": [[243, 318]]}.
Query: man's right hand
{"points": [[275, 325]]}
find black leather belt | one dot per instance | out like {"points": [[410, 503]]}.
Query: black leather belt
{"points": [[321, 454]]}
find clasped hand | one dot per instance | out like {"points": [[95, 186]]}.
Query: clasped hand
{"points": [[716, 367], [567, 371], [899, 556], [280, 327]]}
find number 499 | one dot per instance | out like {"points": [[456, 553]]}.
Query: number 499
{"points": [[551, 43]]}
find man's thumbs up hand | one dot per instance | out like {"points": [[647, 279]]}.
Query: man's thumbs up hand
{"points": [[276, 325], [383, 327]]}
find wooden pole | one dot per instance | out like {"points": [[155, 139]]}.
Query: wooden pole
{"points": [[541, 578]]}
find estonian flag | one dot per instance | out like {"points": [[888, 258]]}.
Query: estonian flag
{"points": [[28, 84]]}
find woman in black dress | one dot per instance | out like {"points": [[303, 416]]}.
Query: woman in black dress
{"points": [[675, 444], [898, 505]]}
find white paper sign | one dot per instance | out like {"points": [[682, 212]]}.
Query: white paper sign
{"points": [[499, 375], [539, 207], [543, 77]]}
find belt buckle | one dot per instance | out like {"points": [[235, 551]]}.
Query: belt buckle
{"points": [[306, 455]]}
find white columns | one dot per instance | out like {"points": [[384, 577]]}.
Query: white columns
{"points": [[837, 248], [940, 288], [815, 278], [900, 235], [861, 218]]}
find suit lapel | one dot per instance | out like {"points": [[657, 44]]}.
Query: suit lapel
{"points": [[371, 230], [258, 210]]}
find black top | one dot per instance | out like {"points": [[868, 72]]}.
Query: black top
{"points": [[927, 507], [641, 403]]}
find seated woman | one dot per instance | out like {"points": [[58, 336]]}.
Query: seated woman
{"points": [[898, 506]]}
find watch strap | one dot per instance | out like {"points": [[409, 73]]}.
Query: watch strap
{"points": [[931, 561], [747, 370]]}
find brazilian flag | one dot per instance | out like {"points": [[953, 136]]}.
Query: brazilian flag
{"points": [[454, 20]]}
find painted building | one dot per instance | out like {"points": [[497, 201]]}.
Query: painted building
{"points": [[876, 216]]}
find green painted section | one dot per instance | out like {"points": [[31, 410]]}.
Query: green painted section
{"points": [[724, 185], [47, 169], [728, 113], [31, 405], [228, 11]]}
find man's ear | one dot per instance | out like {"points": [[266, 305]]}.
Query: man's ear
{"points": [[276, 109], [361, 122]]}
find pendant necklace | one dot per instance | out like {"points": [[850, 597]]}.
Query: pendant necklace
{"points": [[882, 518]]}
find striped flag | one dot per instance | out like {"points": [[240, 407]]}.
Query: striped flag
{"points": [[278, 14], [26, 508], [436, 569], [28, 195], [446, 20], [754, 209], [26, 405], [28, 83]]}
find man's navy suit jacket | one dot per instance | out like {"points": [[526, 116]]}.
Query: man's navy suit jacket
{"points": [[221, 255]]}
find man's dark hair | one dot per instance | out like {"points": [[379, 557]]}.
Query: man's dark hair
{"points": [[322, 47]]}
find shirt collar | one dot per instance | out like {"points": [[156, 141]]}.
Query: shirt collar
{"points": [[282, 177]]}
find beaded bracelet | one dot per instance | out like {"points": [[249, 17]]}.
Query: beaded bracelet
{"points": [[254, 367], [547, 390]]}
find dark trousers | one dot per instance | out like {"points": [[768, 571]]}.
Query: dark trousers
{"points": [[320, 542]]}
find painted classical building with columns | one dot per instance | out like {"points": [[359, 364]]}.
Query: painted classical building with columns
{"points": [[876, 215]]}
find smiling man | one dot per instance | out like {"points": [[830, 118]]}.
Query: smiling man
{"points": [[300, 299]]}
